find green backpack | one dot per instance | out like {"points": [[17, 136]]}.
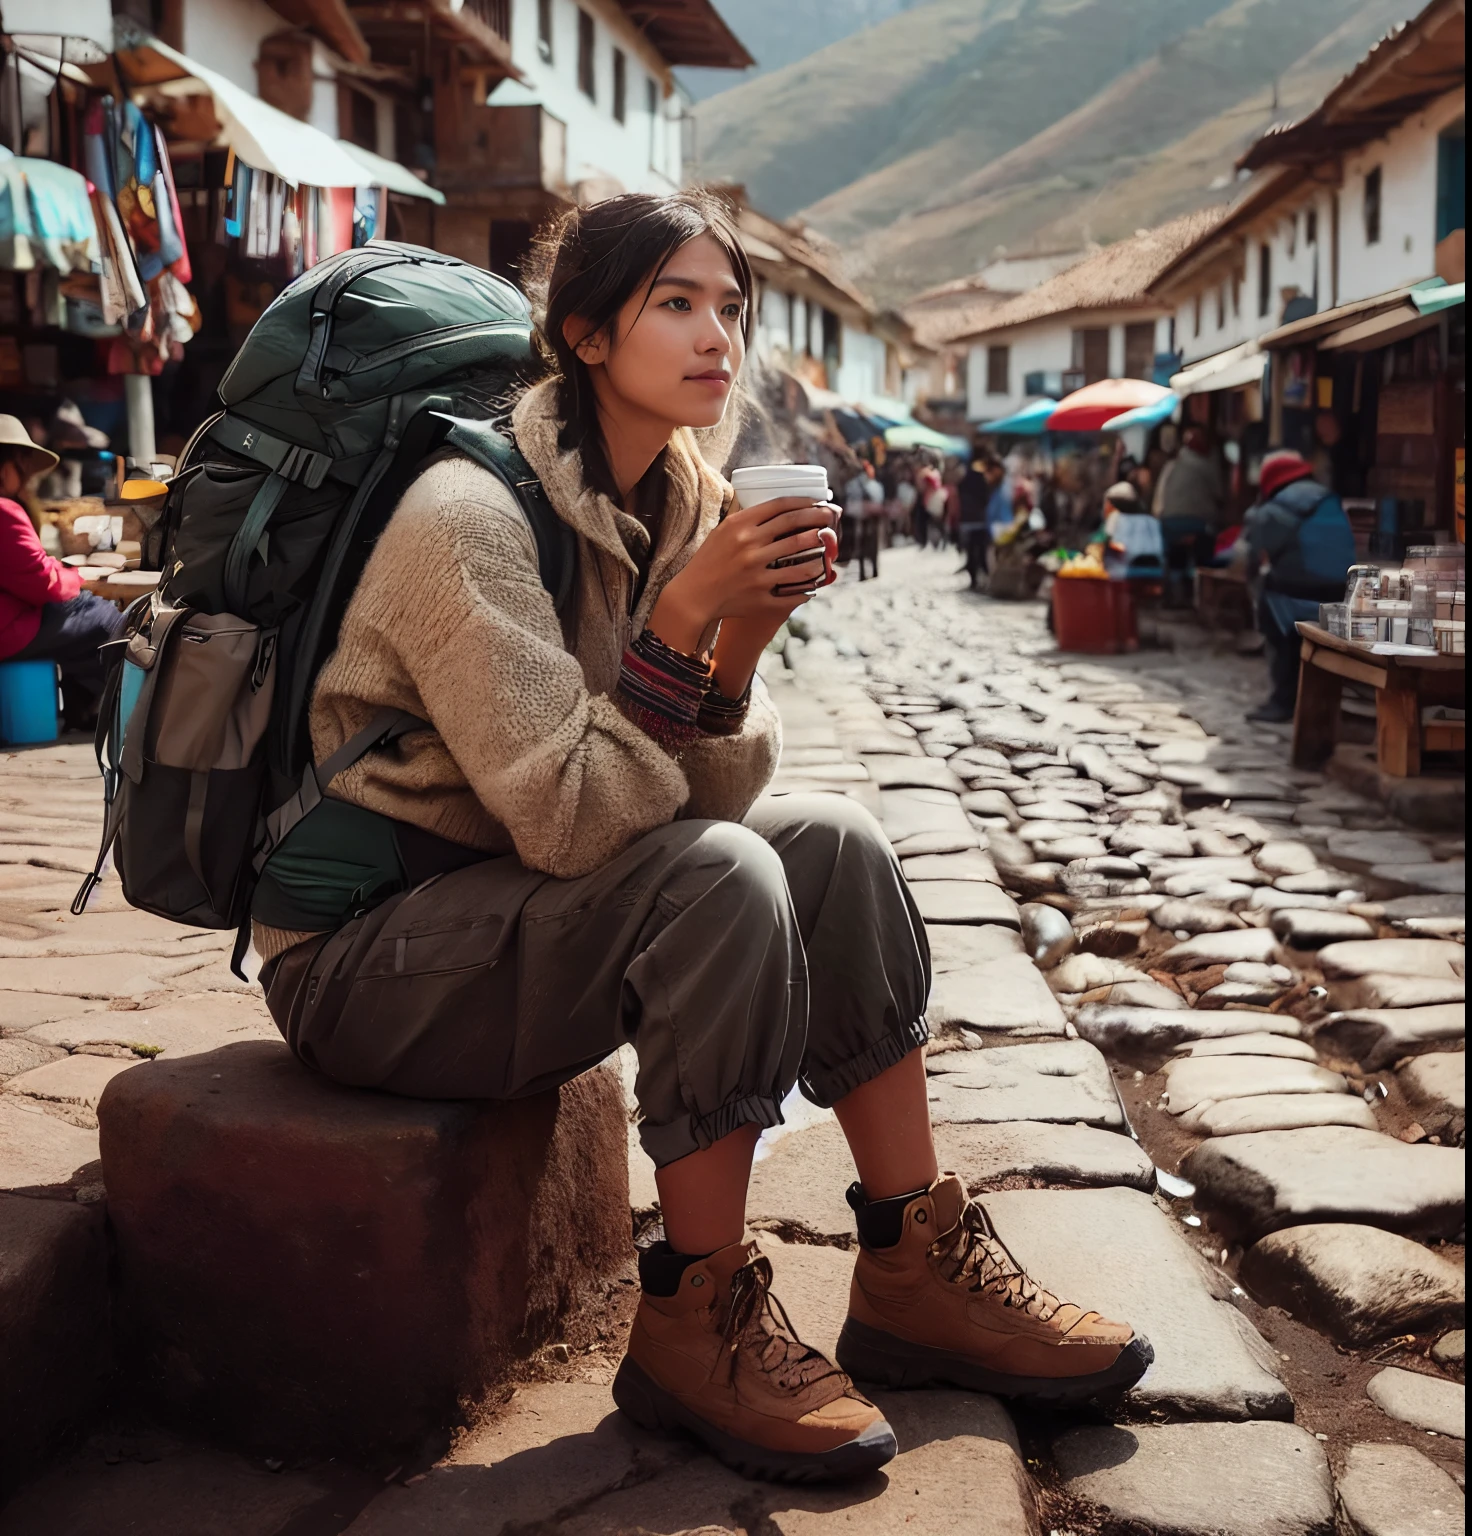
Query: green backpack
{"points": [[358, 373]]}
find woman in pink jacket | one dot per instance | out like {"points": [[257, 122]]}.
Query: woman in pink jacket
{"points": [[44, 613]]}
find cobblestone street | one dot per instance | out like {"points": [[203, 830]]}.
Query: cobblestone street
{"points": [[1197, 1027]]}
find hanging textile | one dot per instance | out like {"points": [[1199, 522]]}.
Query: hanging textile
{"points": [[180, 265], [45, 216]]}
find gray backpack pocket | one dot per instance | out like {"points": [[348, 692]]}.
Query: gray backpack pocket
{"points": [[182, 750]]}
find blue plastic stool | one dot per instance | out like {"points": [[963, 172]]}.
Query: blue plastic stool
{"points": [[27, 702]]}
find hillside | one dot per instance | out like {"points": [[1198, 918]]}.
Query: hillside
{"points": [[777, 32], [1039, 136], [942, 88]]}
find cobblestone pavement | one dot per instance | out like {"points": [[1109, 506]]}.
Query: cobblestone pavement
{"points": [[1198, 1032]]}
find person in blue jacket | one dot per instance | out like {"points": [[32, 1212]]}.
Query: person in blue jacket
{"points": [[1300, 531]]}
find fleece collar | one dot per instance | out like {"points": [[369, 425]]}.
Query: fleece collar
{"points": [[694, 500]]}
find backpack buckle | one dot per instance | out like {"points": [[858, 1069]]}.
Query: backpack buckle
{"points": [[305, 466]]}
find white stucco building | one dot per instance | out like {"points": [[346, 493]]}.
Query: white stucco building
{"points": [[1363, 196], [1095, 320]]}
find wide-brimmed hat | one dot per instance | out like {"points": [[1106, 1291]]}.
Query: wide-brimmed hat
{"points": [[32, 458]]}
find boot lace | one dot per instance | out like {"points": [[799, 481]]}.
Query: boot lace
{"points": [[758, 1324], [972, 1254]]}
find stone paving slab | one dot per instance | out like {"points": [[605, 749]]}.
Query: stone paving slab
{"points": [[1396, 991], [1428, 1402], [1251, 1045], [1063, 1081], [1259, 1182], [1355, 1283], [1376, 1037], [971, 865], [1147, 1036], [1392, 957], [180, 1026], [42, 1154], [984, 982], [1255, 1479], [1193, 1081], [1278, 1112], [74, 1081], [1116, 1251], [562, 1460], [964, 901], [1393, 1490], [96, 976]]}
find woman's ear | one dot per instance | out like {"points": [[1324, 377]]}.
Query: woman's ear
{"points": [[590, 346]]}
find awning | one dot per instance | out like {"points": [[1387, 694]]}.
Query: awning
{"points": [[915, 435], [1313, 327], [265, 138], [886, 408], [383, 172], [1028, 422], [1407, 318], [89, 19], [1232, 369]]}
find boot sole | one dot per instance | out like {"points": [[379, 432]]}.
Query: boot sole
{"points": [[870, 1355], [651, 1407]]}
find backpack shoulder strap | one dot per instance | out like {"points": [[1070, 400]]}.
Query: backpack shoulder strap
{"points": [[495, 449]]}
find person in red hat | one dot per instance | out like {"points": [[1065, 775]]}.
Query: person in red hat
{"points": [[1299, 537]]}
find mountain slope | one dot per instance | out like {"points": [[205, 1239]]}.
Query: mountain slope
{"points": [[778, 32], [976, 76], [1158, 141]]}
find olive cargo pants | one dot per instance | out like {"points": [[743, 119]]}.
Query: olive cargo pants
{"points": [[738, 959]]}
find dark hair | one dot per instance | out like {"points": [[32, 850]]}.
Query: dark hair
{"points": [[589, 264]]}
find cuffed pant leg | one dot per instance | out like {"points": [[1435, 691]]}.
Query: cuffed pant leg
{"points": [[718, 999], [868, 961]]}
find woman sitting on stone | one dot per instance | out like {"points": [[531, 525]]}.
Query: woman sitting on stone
{"points": [[44, 613], [634, 888]]}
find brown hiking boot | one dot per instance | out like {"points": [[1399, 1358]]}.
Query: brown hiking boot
{"points": [[949, 1304], [720, 1360]]}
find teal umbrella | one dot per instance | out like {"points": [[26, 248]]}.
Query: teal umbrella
{"points": [[913, 435], [1028, 422], [1143, 415]]}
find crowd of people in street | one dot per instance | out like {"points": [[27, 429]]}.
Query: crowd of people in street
{"points": [[1013, 517]]}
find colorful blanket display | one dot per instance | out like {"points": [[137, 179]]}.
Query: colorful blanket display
{"points": [[109, 238]]}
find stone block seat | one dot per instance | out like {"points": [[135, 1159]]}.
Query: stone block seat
{"points": [[305, 1268]]}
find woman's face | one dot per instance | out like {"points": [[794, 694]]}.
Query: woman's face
{"points": [[678, 346]]}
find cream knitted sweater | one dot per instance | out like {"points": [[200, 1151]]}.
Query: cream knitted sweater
{"points": [[529, 752]]}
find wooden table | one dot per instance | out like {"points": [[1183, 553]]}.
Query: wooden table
{"points": [[1402, 684], [122, 586]]}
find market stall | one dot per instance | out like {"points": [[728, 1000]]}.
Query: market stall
{"points": [[149, 211]]}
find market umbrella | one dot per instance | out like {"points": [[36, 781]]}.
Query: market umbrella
{"points": [[1027, 422], [1144, 415], [1087, 409], [914, 435]]}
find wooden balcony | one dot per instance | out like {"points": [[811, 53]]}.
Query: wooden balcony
{"points": [[506, 148]]}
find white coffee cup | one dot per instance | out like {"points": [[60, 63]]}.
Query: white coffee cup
{"points": [[769, 482]]}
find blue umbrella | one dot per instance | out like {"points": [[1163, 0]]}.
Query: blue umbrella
{"points": [[1028, 422], [1143, 415]]}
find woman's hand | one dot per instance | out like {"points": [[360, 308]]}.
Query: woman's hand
{"points": [[730, 577]]}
